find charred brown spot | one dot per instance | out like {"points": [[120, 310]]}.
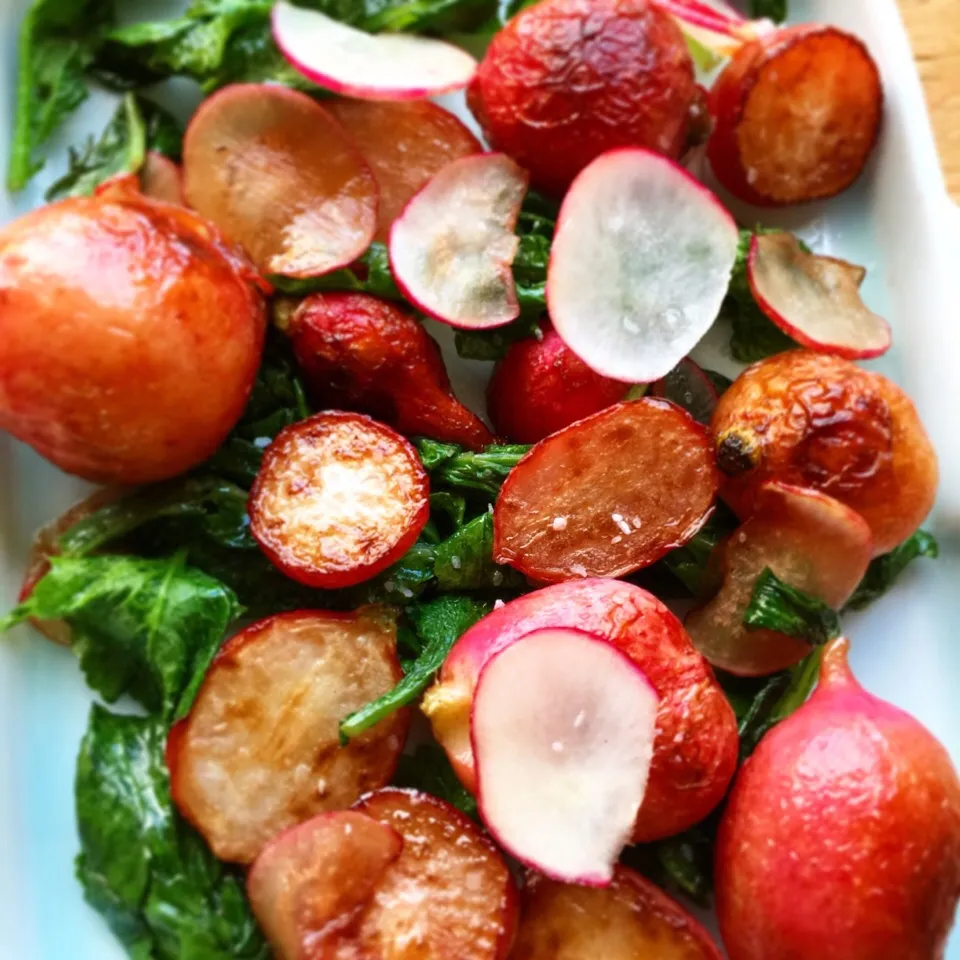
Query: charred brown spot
{"points": [[737, 454]]}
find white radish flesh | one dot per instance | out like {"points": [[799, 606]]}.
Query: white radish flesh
{"points": [[563, 726], [814, 299], [381, 66], [640, 265], [452, 248]]}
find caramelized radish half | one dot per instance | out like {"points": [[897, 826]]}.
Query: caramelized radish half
{"points": [[405, 144], [312, 878], [279, 175], [260, 750], [696, 746], [449, 892], [562, 728], [452, 248], [640, 264], [629, 920], [811, 542], [384, 66], [339, 497], [813, 299], [608, 495]]}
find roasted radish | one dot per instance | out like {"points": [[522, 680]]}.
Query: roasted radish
{"points": [[161, 179], [818, 421], [629, 920], [811, 542], [608, 495], [452, 248], [260, 750], [542, 386], [562, 729], [797, 114], [813, 299], [689, 387], [361, 353], [385, 66], [311, 881], [449, 892], [130, 335], [405, 145], [695, 750], [339, 497], [640, 265], [568, 80], [280, 176]]}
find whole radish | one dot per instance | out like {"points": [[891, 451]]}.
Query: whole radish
{"points": [[841, 840]]}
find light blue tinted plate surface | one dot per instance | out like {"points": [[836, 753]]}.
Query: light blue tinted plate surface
{"points": [[907, 648]]}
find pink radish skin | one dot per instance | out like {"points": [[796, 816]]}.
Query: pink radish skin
{"points": [[562, 727], [634, 206], [815, 299], [351, 62], [452, 248], [841, 839]]}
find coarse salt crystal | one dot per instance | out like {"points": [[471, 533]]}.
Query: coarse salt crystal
{"points": [[617, 518], [559, 523]]}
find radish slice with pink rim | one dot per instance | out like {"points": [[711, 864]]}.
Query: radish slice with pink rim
{"points": [[161, 179], [640, 265], [716, 26], [452, 248], [562, 728], [368, 66], [814, 299]]}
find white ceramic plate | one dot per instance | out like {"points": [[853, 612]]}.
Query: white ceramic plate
{"points": [[897, 221]]}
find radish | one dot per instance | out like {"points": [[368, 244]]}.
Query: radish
{"points": [[718, 27], [385, 66], [562, 727], [452, 248], [814, 299], [640, 264]]}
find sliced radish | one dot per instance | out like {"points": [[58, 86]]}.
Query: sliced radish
{"points": [[384, 66], [161, 179], [815, 299], [640, 265], [562, 727], [452, 248], [280, 176], [717, 27]]}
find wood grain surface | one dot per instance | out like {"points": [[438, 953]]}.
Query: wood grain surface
{"points": [[934, 28]]}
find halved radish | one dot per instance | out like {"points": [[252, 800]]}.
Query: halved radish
{"points": [[629, 920], [695, 753], [339, 497], [260, 749], [607, 495], [689, 387], [449, 892], [405, 144], [452, 248], [280, 176], [562, 728], [384, 66], [814, 299], [161, 179], [311, 880], [811, 542], [797, 114], [640, 264]]}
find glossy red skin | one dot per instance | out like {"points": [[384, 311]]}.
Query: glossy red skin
{"points": [[362, 353], [728, 100], [387, 805], [696, 747], [567, 80], [130, 336], [841, 839], [541, 386], [367, 561]]}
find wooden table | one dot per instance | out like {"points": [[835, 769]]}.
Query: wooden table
{"points": [[934, 27]]}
